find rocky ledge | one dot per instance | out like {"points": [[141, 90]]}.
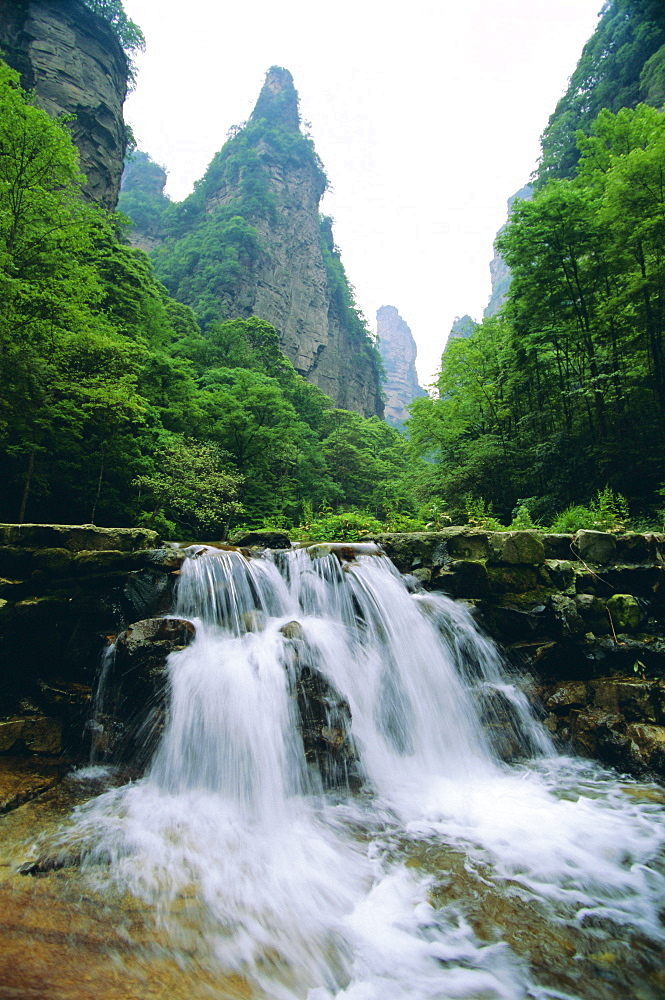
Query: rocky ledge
{"points": [[582, 615], [64, 589]]}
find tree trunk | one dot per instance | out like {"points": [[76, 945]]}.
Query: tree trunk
{"points": [[26, 489]]}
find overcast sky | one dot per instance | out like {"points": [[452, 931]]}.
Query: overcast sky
{"points": [[426, 115]]}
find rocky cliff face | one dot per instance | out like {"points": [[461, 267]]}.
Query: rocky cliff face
{"points": [[398, 351], [74, 63], [288, 271]]}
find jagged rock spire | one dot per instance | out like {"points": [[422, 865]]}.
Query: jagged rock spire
{"points": [[278, 100]]}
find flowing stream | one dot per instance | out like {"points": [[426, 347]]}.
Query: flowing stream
{"points": [[449, 853]]}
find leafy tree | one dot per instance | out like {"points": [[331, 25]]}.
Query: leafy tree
{"points": [[190, 484], [565, 390]]}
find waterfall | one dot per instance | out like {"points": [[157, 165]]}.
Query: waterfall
{"points": [[345, 771]]}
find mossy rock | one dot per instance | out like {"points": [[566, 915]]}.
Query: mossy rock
{"points": [[625, 611], [77, 537], [512, 579]]}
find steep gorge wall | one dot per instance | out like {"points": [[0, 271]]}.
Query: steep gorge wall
{"points": [[72, 60], [398, 351]]}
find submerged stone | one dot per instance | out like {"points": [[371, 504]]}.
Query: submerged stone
{"points": [[34, 733]]}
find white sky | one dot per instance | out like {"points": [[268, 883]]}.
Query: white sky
{"points": [[427, 117]]}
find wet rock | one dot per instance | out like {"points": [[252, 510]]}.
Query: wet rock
{"points": [[597, 547], [35, 734], [255, 621], [146, 644], [263, 539], [292, 630], [134, 699], [148, 592], [325, 727], [343, 551], [323, 716], [566, 696], [24, 778]]}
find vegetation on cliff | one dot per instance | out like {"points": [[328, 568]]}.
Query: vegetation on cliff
{"points": [[126, 31], [622, 64], [564, 391], [252, 223]]}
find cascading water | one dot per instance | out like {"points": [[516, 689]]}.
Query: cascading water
{"points": [[392, 893]]}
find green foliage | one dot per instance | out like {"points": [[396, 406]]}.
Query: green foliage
{"points": [[116, 407], [564, 391], [343, 526], [620, 66], [479, 514], [574, 518], [142, 196], [190, 484], [607, 512], [521, 518]]}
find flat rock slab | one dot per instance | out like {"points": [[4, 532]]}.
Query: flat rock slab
{"points": [[62, 937], [23, 778]]}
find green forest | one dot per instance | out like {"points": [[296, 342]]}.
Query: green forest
{"points": [[117, 410], [552, 412], [131, 396]]}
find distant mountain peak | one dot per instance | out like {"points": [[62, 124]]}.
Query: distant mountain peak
{"points": [[277, 103]]}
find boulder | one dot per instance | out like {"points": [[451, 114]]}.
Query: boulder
{"points": [[323, 716], [131, 699], [519, 548], [624, 611], [263, 540]]}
